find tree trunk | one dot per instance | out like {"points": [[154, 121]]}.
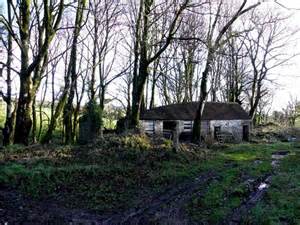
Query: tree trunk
{"points": [[9, 122], [58, 110], [93, 74], [69, 109], [102, 100], [128, 108], [152, 93], [41, 108], [29, 85], [24, 109], [23, 119], [137, 94], [60, 106], [34, 123], [203, 96]]}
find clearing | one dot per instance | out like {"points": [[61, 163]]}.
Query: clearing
{"points": [[131, 180]]}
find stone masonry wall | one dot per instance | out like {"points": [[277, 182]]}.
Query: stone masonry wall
{"points": [[207, 127], [232, 126]]}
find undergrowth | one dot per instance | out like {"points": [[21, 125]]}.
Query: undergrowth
{"points": [[119, 172], [106, 176]]}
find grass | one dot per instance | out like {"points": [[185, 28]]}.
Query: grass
{"points": [[281, 205], [45, 119], [239, 169], [115, 174], [297, 124], [105, 177]]}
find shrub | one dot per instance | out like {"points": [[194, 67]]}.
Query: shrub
{"points": [[167, 144], [92, 113], [140, 142]]}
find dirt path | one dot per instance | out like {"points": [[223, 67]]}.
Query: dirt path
{"points": [[240, 212], [165, 208], [17, 209]]}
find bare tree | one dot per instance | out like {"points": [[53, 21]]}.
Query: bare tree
{"points": [[30, 72], [141, 50], [214, 41], [264, 45], [65, 56], [292, 111], [72, 75], [8, 129]]}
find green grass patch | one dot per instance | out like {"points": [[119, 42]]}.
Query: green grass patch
{"points": [[281, 204], [235, 168], [119, 172], [109, 176]]}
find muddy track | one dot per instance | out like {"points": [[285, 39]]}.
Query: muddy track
{"points": [[261, 189], [235, 218], [164, 208], [15, 208]]}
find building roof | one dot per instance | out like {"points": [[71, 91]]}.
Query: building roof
{"points": [[187, 111]]}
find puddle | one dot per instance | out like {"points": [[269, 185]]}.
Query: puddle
{"points": [[280, 154], [259, 192], [258, 162], [263, 186], [275, 163], [276, 156]]}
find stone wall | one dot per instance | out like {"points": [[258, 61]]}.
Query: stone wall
{"points": [[87, 131], [232, 126], [204, 126], [207, 127], [158, 127]]}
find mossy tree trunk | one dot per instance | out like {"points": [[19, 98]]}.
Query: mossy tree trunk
{"points": [[72, 73], [8, 130], [28, 84], [56, 113], [203, 96], [101, 105]]}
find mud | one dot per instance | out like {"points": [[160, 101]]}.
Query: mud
{"points": [[164, 208], [236, 216]]}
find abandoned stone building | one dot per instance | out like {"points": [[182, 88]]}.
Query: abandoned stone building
{"points": [[218, 118]]}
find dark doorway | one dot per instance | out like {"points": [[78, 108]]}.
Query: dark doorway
{"points": [[217, 131], [168, 127], [245, 133]]}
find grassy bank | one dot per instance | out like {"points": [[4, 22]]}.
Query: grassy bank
{"points": [[118, 173], [106, 177]]}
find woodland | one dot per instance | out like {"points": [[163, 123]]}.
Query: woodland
{"points": [[63, 63], [59, 57]]}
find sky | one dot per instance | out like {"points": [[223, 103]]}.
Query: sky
{"points": [[286, 77]]}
